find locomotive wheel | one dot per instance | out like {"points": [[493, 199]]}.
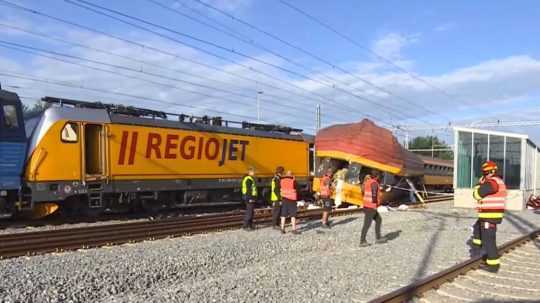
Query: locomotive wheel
{"points": [[71, 208], [5, 210], [151, 206], [92, 212]]}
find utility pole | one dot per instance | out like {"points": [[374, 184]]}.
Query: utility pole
{"points": [[432, 147], [406, 140], [318, 118], [259, 107], [317, 128]]}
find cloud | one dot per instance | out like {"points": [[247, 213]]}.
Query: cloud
{"points": [[391, 44], [230, 5], [444, 27], [177, 83]]}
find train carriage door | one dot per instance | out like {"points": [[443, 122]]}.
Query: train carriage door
{"points": [[95, 155]]}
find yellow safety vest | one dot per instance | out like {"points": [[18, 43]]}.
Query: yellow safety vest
{"points": [[253, 186], [273, 196]]}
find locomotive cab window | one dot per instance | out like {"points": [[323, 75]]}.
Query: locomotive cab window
{"points": [[10, 117], [70, 133]]}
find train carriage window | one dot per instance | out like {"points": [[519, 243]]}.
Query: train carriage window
{"points": [[353, 173], [70, 133], [10, 117]]}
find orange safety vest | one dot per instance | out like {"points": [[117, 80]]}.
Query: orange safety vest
{"points": [[288, 191], [368, 195], [493, 206], [325, 186]]}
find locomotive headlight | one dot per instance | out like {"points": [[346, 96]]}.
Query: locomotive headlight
{"points": [[3, 193], [67, 189]]}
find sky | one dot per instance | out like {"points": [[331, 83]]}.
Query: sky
{"points": [[399, 63]]}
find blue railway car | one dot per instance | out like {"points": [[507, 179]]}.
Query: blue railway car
{"points": [[12, 151]]}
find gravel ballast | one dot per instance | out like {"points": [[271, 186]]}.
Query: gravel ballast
{"points": [[259, 266]]}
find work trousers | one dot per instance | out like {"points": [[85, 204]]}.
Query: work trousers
{"points": [[371, 214], [485, 236], [276, 212], [248, 215]]}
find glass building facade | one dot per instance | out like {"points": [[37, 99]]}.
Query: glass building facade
{"points": [[474, 147], [516, 156]]}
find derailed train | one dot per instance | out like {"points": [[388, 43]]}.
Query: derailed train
{"points": [[88, 157]]}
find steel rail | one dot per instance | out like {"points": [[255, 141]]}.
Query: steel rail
{"points": [[41, 242], [434, 281]]}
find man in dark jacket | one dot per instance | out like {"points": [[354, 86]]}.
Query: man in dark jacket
{"points": [[249, 194], [275, 196]]}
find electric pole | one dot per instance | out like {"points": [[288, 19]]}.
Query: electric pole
{"points": [[259, 107], [318, 118]]}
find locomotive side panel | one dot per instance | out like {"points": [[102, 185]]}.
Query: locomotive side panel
{"points": [[140, 152]]}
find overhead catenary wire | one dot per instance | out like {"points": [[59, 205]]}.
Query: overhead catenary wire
{"points": [[129, 58], [110, 53], [175, 55], [17, 75], [100, 10], [311, 54], [332, 81], [364, 48], [36, 51], [74, 24], [350, 109]]}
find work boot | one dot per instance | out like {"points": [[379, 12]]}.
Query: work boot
{"points": [[381, 240], [364, 244], [490, 268]]}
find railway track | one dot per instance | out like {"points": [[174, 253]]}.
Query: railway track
{"points": [[517, 280], [41, 242]]}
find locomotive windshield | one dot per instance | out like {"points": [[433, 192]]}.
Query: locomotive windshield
{"points": [[10, 117], [11, 123]]}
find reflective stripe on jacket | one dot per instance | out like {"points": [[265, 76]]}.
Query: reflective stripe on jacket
{"points": [[288, 188], [492, 206], [368, 193]]}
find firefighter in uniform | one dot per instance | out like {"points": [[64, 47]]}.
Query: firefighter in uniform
{"points": [[249, 195], [490, 193], [288, 205], [372, 199], [275, 196], [325, 194]]}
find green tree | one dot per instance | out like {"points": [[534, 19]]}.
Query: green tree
{"points": [[429, 142], [37, 109]]}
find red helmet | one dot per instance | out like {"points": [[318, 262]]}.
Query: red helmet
{"points": [[489, 166]]}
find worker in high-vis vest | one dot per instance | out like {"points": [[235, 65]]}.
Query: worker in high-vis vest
{"points": [[249, 195], [490, 194], [289, 197], [275, 196], [325, 195], [372, 200]]}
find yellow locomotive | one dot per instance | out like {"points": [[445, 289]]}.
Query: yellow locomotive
{"points": [[91, 157]]}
